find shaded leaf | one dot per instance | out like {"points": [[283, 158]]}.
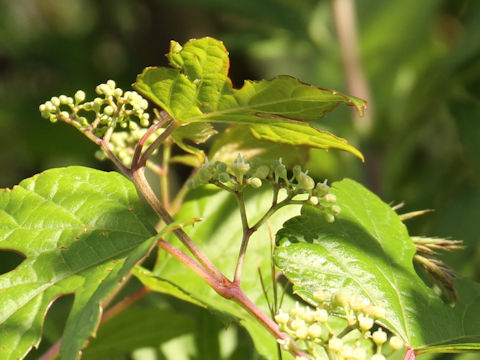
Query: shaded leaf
{"points": [[368, 253], [81, 231], [198, 90]]}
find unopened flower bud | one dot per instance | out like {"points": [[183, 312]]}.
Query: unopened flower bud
{"points": [[315, 331], [346, 351], [379, 337], [378, 357], [80, 96], [320, 296], [301, 333], [336, 209], [335, 344], [55, 101], [64, 114], [313, 200], [111, 84], [281, 317], [359, 354], [322, 188], [396, 342], [63, 99], [305, 182], [329, 218], [205, 174], [109, 110], [321, 315], [365, 322], [220, 166], [330, 198], [254, 182], [297, 324]]}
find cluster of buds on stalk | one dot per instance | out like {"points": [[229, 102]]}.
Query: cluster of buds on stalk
{"points": [[241, 173], [112, 107], [361, 338]]}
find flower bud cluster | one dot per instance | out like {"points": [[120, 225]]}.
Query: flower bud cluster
{"points": [[313, 328], [241, 172], [123, 143], [112, 107]]}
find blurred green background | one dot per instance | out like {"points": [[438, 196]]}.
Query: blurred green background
{"points": [[420, 61]]}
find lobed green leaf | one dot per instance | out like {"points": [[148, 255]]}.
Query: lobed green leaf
{"points": [[198, 89], [367, 252], [81, 231]]}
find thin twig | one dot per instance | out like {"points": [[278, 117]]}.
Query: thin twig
{"points": [[156, 143], [143, 140], [167, 146]]}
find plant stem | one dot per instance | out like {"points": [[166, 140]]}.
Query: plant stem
{"points": [[143, 140], [167, 147], [245, 238], [156, 143], [138, 177], [124, 304]]}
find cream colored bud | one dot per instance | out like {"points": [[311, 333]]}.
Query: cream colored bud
{"points": [[321, 315], [301, 333], [282, 318], [346, 351], [330, 198], [64, 114], [365, 322], [329, 218], [379, 337], [55, 101], [111, 84], [297, 324], [80, 96], [320, 296], [109, 110], [313, 200], [63, 99], [335, 344], [379, 312], [314, 331], [254, 182], [336, 209], [396, 342], [359, 354]]}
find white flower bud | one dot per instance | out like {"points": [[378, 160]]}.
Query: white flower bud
{"points": [[396, 342], [329, 218], [346, 351], [330, 198], [335, 344], [282, 318], [379, 312], [379, 337], [80, 96], [297, 324], [365, 322], [313, 200], [111, 84], [109, 110], [63, 99], [322, 188], [315, 331], [305, 182], [336, 209], [301, 333], [359, 354], [321, 315], [64, 114], [320, 296], [55, 101], [254, 182]]}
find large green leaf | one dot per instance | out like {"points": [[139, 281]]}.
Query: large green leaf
{"points": [[81, 231], [367, 252], [219, 236], [198, 89]]}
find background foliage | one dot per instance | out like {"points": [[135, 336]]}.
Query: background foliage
{"points": [[421, 61]]}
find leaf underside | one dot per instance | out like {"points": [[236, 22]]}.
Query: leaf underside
{"points": [[81, 231], [197, 89], [368, 253]]}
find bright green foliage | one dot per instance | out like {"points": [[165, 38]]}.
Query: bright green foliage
{"points": [[219, 235], [368, 253], [81, 230], [198, 89]]}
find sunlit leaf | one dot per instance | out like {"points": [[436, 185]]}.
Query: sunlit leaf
{"points": [[198, 89], [368, 253], [81, 231]]}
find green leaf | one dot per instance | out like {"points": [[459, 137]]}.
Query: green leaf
{"points": [[196, 132], [198, 89], [368, 253], [237, 139], [81, 231], [136, 328], [219, 236]]}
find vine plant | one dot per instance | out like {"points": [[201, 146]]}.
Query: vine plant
{"points": [[347, 254]]}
